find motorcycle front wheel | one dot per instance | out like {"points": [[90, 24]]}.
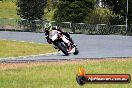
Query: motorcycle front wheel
{"points": [[63, 48]]}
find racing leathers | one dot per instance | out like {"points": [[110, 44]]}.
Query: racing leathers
{"points": [[47, 34]]}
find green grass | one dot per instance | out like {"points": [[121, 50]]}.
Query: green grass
{"points": [[63, 75], [8, 10], [14, 49]]}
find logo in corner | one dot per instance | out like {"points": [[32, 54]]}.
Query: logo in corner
{"points": [[83, 78]]}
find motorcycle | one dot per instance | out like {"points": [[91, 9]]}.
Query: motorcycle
{"points": [[62, 43]]}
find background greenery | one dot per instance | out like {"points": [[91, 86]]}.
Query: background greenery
{"points": [[73, 10], [31, 9], [113, 12]]}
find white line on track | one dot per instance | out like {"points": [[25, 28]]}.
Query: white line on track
{"points": [[47, 54]]}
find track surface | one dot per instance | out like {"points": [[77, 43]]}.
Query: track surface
{"points": [[90, 46]]}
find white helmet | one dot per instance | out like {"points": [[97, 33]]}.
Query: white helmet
{"points": [[48, 26]]}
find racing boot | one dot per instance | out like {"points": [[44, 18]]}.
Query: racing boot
{"points": [[74, 44], [71, 49]]}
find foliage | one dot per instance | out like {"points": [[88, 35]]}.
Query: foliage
{"points": [[119, 10], [99, 16], [51, 4], [117, 19], [69, 10], [118, 6], [31, 9], [50, 9], [130, 12], [73, 10], [49, 15], [104, 16]]}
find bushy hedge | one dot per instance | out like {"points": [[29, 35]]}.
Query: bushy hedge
{"points": [[31, 9], [73, 10]]}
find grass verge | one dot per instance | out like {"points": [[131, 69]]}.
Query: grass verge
{"points": [[13, 49], [8, 10], [61, 74]]}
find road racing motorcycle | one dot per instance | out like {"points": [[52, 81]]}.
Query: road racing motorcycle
{"points": [[62, 43]]}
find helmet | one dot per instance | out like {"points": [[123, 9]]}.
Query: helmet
{"points": [[48, 26]]}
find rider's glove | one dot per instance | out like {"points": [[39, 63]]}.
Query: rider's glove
{"points": [[46, 36], [49, 41]]}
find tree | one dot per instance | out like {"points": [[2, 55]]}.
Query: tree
{"points": [[31, 9], [119, 10], [51, 4], [100, 16], [73, 10], [130, 12]]}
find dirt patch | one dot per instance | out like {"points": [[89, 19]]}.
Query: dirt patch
{"points": [[5, 66]]}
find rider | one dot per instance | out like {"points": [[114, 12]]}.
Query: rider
{"points": [[49, 28]]}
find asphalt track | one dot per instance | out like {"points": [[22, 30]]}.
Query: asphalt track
{"points": [[90, 46]]}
